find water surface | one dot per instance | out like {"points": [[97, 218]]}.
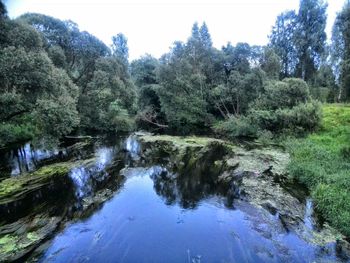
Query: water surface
{"points": [[150, 214]]}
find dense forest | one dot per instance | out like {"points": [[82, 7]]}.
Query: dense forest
{"points": [[57, 80], [214, 111]]}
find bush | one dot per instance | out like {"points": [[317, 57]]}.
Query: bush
{"points": [[297, 120], [12, 133], [236, 127], [283, 94]]}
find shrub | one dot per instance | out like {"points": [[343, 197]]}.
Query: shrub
{"points": [[297, 120], [237, 127], [11, 133]]}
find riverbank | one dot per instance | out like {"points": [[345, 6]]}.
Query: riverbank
{"points": [[197, 178], [321, 161]]}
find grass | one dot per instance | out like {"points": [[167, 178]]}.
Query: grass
{"points": [[322, 162]]}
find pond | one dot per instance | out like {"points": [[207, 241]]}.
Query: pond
{"points": [[121, 207]]}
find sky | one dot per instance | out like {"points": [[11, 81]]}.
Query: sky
{"points": [[151, 26]]}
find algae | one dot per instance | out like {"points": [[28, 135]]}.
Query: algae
{"points": [[15, 188]]}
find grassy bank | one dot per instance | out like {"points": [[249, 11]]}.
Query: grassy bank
{"points": [[322, 162]]}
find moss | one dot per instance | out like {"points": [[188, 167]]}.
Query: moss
{"points": [[212, 156], [32, 236], [13, 246], [8, 244], [180, 141], [14, 187]]}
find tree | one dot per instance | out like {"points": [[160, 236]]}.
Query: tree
{"points": [[144, 74], [109, 93], [187, 74], [310, 37], [325, 88], [120, 47], [81, 49], [35, 94], [281, 40], [341, 50], [18, 34], [3, 11], [238, 57], [181, 95], [205, 36], [271, 63]]}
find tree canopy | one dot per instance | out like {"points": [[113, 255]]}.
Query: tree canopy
{"points": [[56, 79]]}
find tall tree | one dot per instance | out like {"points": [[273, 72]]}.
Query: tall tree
{"points": [[3, 11], [205, 36], [120, 47], [81, 49], [341, 50], [270, 63], [281, 40], [310, 37]]}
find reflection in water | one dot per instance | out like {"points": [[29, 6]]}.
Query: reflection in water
{"points": [[27, 158], [137, 226], [308, 219], [85, 177], [104, 157], [132, 146], [82, 181], [157, 215]]}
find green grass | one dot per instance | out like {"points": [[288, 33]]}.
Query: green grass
{"points": [[322, 162]]}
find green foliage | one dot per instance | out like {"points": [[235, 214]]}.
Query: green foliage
{"points": [[299, 39], [119, 118], [310, 37], [325, 88], [334, 205], [320, 162], [298, 120], [184, 84], [284, 107], [236, 127], [283, 94], [81, 49], [271, 63], [3, 11], [120, 47], [144, 74], [109, 93], [341, 50], [12, 133], [34, 93], [281, 40], [20, 35]]}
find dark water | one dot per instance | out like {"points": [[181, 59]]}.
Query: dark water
{"points": [[154, 215], [27, 158]]}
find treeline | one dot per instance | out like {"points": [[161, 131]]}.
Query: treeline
{"points": [[56, 79]]}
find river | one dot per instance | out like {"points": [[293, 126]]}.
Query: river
{"points": [[120, 208]]}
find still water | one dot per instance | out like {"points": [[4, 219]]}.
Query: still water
{"points": [[154, 215], [136, 225]]}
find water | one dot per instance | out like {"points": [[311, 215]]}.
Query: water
{"points": [[27, 158], [124, 210], [136, 225], [83, 177], [132, 146]]}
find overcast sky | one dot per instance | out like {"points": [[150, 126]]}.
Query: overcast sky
{"points": [[151, 26]]}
